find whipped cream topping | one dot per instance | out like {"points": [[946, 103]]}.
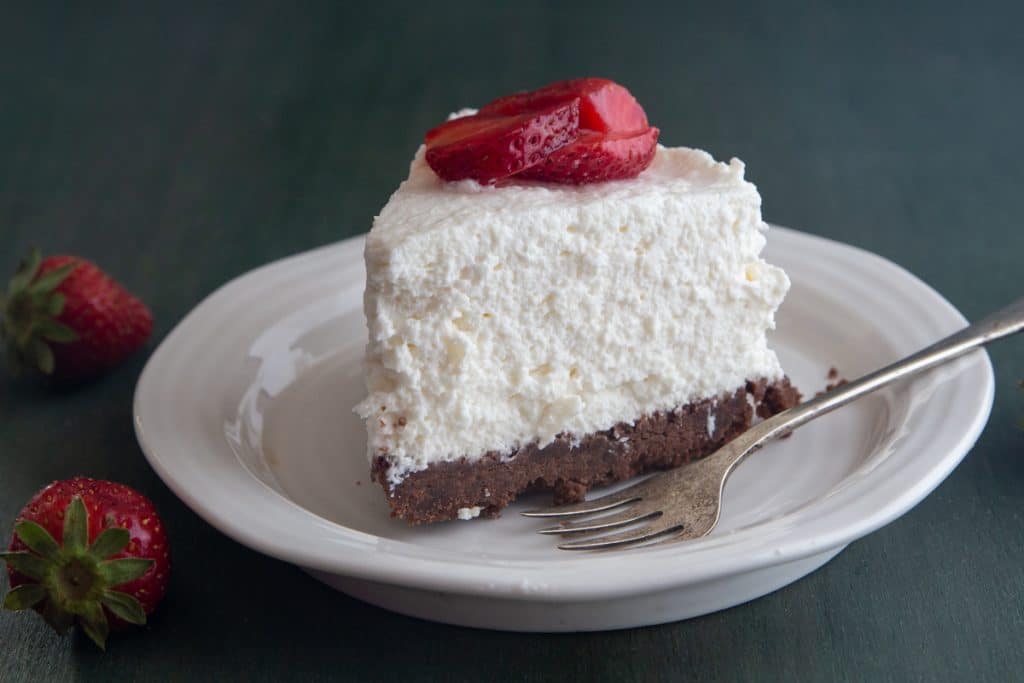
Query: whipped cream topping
{"points": [[501, 316]]}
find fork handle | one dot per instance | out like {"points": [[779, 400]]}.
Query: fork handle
{"points": [[1007, 321]]}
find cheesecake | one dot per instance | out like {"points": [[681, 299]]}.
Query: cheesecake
{"points": [[567, 324]]}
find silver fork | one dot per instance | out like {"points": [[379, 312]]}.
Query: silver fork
{"points": [[685, 503]]}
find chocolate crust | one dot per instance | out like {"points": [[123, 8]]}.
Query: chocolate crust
{"points": [[570, 468]]}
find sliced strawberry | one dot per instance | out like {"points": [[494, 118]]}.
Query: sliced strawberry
{"points": [[487, 149], [596, 157], [604, 105], [460, 128]]}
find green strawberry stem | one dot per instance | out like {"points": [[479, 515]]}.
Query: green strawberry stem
{"points": [[75, 581], [29, 313]]}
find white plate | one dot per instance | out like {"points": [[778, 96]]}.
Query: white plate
{"points": [[245, 412]]}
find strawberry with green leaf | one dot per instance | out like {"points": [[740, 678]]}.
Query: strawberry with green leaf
{"points": [[65, 317], [89, 552]]}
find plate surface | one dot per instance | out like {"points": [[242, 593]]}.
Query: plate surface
{"points": [[245, 412]]}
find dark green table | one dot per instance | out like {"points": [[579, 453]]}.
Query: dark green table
{"points": [[180, 145]]}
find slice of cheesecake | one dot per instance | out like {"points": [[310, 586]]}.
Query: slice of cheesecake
{"points": [[564, 337], [564, 334]]}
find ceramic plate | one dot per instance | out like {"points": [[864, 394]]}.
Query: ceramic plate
{"points": [[245, 411]]}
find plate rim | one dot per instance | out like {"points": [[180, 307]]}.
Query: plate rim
{"points": [[427, 573]]}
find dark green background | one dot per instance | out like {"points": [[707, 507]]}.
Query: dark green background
{"points": [[180, 145]]}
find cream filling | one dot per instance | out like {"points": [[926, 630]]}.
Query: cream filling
{"points": [[501, 316]]}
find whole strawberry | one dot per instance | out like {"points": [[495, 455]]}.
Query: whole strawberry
{"points": [[88, 551], [67, 318]]}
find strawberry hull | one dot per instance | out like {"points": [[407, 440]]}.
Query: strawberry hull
{"points": [[88, 552]]}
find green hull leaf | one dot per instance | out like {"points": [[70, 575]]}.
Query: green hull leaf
{"points": [[54, 331], [76, 526], [94, 623], [32, 566], [124, 606], [49, 282], [26, 271], [24, 596], [37, 539], [117, 572], [109, 543]]}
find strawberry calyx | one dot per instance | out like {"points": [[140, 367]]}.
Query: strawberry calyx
{"points": [[30, 311], [75, 581]]}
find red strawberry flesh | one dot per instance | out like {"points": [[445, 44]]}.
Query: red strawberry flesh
{"points": [[604, 105], [598, 157], [487, 149], [110, 322]]}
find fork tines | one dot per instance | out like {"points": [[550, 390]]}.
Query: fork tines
{"points": [[624, 509]]}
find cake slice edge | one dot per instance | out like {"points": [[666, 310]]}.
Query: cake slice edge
{"points": [[570, 466]]}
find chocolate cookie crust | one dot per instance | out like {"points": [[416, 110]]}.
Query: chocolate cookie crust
{"points": [[570, 467]]}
